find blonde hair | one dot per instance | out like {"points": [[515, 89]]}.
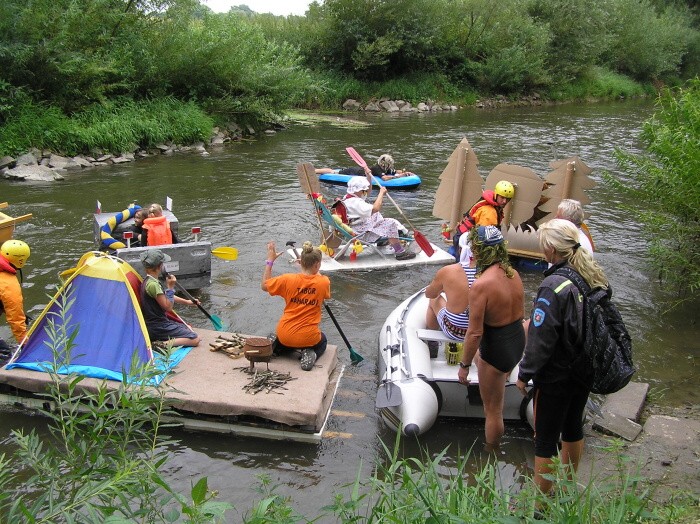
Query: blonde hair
{"points": [[562, 236], [386, 162], [310, 255], [155, 210], [571, 210]]}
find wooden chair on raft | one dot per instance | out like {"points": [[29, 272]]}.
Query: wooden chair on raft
{"points": [[341, 230]]}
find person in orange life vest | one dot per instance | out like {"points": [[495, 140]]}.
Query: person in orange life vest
{"points": [[364, 217], [299, 329], [488, 211], [156, 229], [13, 255]]}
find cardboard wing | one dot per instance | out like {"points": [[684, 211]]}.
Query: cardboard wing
{"points": [[568, 179], [460, 185], [528, 190]]}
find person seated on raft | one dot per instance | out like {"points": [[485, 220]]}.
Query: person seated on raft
{"points": [[156, 302], [384, 169], [156, 229], [364, 217], [449, 313], [137, 227], [571, 210], [299, 329]]}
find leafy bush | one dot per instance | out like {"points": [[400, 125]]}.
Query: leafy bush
{"points": [[103, 458], [665, 187]]}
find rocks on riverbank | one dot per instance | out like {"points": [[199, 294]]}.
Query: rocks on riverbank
{"points": [[394, 106], [44, 166]]}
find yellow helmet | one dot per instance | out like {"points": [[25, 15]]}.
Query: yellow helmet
{"points": [[15, 252], [504, 189]]}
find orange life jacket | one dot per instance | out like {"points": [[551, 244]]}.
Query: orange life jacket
{"points": [[488, 198], [158, 231]]}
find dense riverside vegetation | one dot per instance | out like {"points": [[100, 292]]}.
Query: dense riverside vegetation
{"points": [[666, 189], [63, 63]]}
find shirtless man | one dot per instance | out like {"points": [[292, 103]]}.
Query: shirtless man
{"points": [[450, 313], [495, 326]]}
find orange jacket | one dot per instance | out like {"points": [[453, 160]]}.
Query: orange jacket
{"points": [[158, 231], [11, 301]]}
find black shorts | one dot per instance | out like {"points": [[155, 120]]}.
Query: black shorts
{"points": [[503, 347], [558, 411], [278, 348]]}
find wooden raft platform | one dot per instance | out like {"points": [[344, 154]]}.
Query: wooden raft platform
{"points": [[207, 390]]}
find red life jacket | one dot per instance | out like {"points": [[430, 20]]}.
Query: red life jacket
{"points": [[6, 266], [158, 231], [488, 198], [338, 208]]}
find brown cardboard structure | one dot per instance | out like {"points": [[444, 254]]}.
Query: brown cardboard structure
{"points": [[535, 200], [460, 185]]}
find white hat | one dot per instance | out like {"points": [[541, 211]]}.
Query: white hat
{"points": [[357, 184]]}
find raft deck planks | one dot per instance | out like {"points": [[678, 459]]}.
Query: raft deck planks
{"points": [[207, 392]]}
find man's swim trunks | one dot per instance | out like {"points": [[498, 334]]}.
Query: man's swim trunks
{"points": [[502, 347]]}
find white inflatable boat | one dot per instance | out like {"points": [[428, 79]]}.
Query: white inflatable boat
{"points": [[414, 389]]}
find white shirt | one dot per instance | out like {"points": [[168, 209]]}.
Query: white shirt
{"points": [[357, 208]]}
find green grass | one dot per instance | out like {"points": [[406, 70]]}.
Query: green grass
{"points": [[114, 127], [599, 83]]}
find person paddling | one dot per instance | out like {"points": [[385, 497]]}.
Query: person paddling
{"points": [[384, 169], [366, 218], [156, 302]]}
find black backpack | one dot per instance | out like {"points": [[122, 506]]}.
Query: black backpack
{"points": [[607, 344]]}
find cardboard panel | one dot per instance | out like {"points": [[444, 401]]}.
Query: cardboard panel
{"points": [[528, 190], [460, 185]]}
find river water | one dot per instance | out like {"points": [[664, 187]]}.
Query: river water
{"points": [[245, 194]]}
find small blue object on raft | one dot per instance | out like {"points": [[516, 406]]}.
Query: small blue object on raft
{"points": [[403, 182]]}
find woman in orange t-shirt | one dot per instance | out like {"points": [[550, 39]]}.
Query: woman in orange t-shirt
{"points": [[303, 293]]}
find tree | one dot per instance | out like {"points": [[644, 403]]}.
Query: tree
{"points": [[666, 187]]}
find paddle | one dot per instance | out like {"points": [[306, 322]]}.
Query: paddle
{"points": [[226, 253], [420, 239], [216, 321], [355, 357], [387, 395]]}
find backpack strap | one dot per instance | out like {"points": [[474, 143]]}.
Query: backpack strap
{"points": [[575, 277]]}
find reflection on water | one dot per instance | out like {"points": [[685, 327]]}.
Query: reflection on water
{"points": [[246, 194]]}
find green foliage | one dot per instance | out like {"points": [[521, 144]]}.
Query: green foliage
{"points": [[102, 461], [665, 187], [424, 490], [598, 82], [117, 127], [646, 44]]}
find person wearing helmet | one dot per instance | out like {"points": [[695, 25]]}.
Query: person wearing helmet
{"points": [[488, 211], [13, 256]]}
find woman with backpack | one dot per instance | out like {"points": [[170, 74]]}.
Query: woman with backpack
{"points": [[555, 340]]}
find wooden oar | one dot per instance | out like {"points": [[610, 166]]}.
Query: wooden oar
{"points": [[225, 253], [216, 321], [420, 239]]}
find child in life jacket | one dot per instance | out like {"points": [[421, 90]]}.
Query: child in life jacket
{"points": [[156, 229]]}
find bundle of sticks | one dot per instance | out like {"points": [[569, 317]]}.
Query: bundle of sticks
{"points": [[232, 345], [266, 381]]}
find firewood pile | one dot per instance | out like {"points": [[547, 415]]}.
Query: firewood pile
{"points": [[268, 381], [230, 345]]}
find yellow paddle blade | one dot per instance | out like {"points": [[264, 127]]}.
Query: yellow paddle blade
{"points": [[226, 253]]}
